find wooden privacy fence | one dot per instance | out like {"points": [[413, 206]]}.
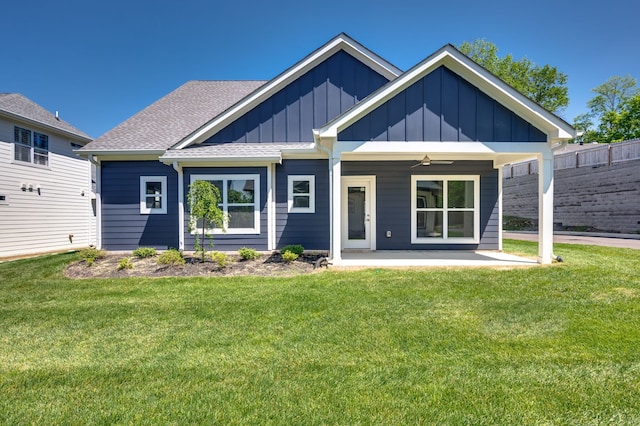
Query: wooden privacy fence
{"points": [[602, 155]]}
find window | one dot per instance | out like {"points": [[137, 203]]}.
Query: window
{"points": [[31, 147], [4, 199], [153, 194], [240, 202], [301, 194], [445, 209]]}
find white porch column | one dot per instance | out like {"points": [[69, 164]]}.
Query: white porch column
{"points": [[545, 207], [500, 177], [178, 169], [336, 212]]}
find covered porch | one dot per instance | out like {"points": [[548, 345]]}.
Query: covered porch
{"points": [[433, 258]]}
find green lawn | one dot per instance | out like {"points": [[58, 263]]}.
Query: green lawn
{"points": [[545, 345]]}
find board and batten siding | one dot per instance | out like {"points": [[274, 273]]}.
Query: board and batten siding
{"points": [[393, 199], [229, 241], [34, 222], [123, 226], [309, 102], [442, 106], [311, 230]]}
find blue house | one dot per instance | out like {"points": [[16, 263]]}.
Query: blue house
{"points": [[341, 152]]}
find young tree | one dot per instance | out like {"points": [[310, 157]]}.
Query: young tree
{"points": [[203, 200], [544, 85]]}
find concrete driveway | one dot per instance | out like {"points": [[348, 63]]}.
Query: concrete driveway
{"points": [[631, 241]]}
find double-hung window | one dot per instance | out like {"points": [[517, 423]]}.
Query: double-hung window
{"points": [[153, 194], [445, 209], [301, 194], [30, 147], [239, 201]]}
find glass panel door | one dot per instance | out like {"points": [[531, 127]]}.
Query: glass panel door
{"points": [[358, 206]]}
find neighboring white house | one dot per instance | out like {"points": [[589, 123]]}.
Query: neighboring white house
{"points": [[45, 188]]}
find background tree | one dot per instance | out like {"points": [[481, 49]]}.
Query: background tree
{"points": [[616, 110], [203, 200], [542, 84]]}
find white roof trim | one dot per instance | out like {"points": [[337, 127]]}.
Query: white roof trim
{"points": [[341, 42], [556, 128]]}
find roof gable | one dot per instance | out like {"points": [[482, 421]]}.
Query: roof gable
{"points": [[20, 107], [468, 71], [441, 106], [340, 43], [322, 93]]}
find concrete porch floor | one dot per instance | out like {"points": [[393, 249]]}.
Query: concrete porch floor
{"points": [[401, 258]]}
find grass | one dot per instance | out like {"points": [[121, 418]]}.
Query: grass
{"points": [[544, 345]]}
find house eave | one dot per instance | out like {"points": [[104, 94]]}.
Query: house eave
{"points": [[53, 129]]}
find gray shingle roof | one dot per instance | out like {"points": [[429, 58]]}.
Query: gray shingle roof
{"points": [[15, 104], [234, 150], [170, 119]]}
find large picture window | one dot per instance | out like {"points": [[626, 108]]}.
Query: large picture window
{"points": [[30, 147], [445, 209], [240, 201]]}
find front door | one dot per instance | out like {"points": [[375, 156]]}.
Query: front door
{"points": [[358, 212]]}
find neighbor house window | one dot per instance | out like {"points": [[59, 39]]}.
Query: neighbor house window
{"points": [[4, 199], [445, 209], [301, 194], [30, 147], [239, 201], [153, 194]]}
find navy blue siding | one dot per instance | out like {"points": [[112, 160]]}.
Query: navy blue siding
{"points": [[442, 106], [123, 227], [309, 229], [309, 102], [393, 199], [229, 241]]}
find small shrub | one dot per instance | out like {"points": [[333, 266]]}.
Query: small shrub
{"points": [[289, 256], [221, 259], [91, 254], [293, 248], [143, 252], [248, 253], [125, 263], [171, 257]]}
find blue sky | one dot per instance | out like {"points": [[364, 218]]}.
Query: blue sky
{"points": [[99, 62]]}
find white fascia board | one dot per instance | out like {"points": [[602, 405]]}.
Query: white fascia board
{"points": [[495, 88], [222, 161], [341, 42], [121, 155], [459, 149]]}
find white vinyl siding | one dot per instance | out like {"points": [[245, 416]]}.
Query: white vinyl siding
{"points": [[35, 222]]}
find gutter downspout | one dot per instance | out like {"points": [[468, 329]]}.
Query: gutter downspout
{"points": [[178, 169], [331, 189], [96, 163]]}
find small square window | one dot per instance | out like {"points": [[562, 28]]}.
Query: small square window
{"points": [[301, 194], [153, 194], [4, 199]]}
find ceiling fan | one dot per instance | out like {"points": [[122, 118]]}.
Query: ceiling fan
{"points": [[426, 161]]}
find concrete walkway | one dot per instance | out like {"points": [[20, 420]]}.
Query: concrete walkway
{"points": [[631, 241]]}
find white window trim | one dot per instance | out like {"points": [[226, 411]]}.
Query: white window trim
{"points": [[256, 204], [32, 149], [143, 194], [445, 239], [311, 194]]}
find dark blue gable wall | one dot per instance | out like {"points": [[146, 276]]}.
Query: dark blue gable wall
{"points": [[442, 106], [309, 229], [309, 102], [393, 199], [123, 227]]}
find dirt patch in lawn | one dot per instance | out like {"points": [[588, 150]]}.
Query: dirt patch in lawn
{"points": [[267, 265]]}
